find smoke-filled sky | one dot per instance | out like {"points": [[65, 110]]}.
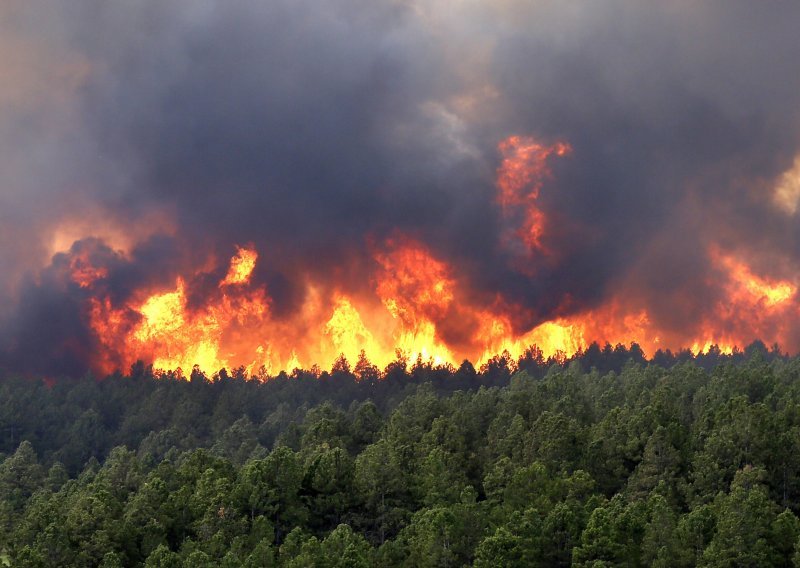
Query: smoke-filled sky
{"points": [[150, 139]]}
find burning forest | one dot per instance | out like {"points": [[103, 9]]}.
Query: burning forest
{"points": [[355, 283], [273, 186]]}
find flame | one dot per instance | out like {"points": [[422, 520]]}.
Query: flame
{"points": [[175, 337], [751, 307], [412, 284], [241, 268], [347, 330], [83, 273], [749, 288], [178, 340], [413, 302], [520, 178], [416, 296]]}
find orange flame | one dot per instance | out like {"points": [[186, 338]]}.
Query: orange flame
{"points": [[172, 336], [753, 306], [416, 303], [83, 273], [411, 282], [241, 268], [520, 178], [415, 295], [746, 287]]}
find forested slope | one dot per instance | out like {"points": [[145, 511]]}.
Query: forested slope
{"points": [[520, 463]]}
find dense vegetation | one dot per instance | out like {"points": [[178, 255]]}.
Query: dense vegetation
{"points": [[603, 460]]}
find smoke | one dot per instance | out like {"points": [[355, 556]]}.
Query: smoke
{"points": [[166, 133]]}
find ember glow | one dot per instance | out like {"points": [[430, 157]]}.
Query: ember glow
{"points": [[241, 268], [412, 302], [189, 187], [520, 178], [417, 294], [751, 304]]}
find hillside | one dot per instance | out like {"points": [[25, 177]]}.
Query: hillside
{"points": [[417, 466]]}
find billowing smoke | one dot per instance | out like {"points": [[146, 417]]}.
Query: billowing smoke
{"points": [[143, 142]]}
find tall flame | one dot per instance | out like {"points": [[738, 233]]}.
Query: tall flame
{"points": [[241, 268], [754, 306], [415, 302], [418, 294], [520, 178]]}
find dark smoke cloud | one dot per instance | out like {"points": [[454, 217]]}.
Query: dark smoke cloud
{"points": [[314, 129]]}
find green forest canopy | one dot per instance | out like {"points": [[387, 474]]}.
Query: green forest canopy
{"points": [[607, 459]]}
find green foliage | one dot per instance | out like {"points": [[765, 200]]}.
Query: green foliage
{"points": [[162, 557], [440, 536], [745, 517], [624, 465], [784, 532], [520, 542]]}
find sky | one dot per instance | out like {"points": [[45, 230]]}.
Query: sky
{"points": [[150, 137]]}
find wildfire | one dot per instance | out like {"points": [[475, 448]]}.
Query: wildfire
{"points": [[414, 301], [747, 287], [178, 340], [520, 178], [241, 268], [412, 284], [347, 330], [416, 297], [163, 328], [83, 273]]}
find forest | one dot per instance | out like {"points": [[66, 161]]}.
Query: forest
{"points": [[602, 459]]}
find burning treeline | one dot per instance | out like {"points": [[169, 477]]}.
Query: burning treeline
{"points": [[214, 312], [275, 184]]}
